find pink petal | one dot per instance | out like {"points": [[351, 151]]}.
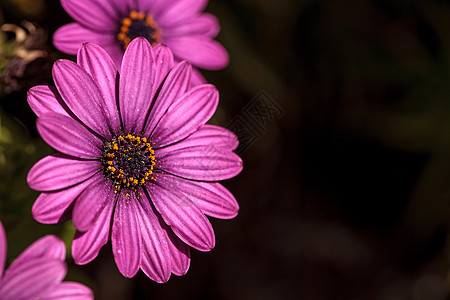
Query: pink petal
{"points": [[3, 248], [186, 115], [206, 135], [200, 51], [155, 255], [175, 85], [206, 163], [68, 136], [163, 64], [197, 78], [49, 246], [136, 84], [43, 99], [32, 278], [70, 37], [126, 235], [116, 53], [86, 245], [179, 253], [69, 291], [205, 25], [82, 95], [123, 7], [52, 207], [180, 11], [100, 66], [154, 7], [211, 197], [92, 202], [58, 171], [185, 219], [97, 15]]}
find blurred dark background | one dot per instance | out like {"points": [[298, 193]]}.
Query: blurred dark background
{"points": [[343, 113]]}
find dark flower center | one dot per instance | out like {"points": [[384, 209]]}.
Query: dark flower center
{"points": [[128, 161], [139, 24]]}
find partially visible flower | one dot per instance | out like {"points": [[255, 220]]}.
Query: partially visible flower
{"points": [[135, 155], [25, 60], [112, 24], [38, 272]]}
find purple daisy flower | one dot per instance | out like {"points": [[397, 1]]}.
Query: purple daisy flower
{"points": [[38, 272], [134, 152], [112, 24]]}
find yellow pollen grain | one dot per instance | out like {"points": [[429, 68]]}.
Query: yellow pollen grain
{"points": [[124, 30], [133, 14], [110, 162], [120, 138], [121, 36], [126, 21]]}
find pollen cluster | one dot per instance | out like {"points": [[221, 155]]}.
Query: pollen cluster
{"points": [[128, 160], [139, 24]]}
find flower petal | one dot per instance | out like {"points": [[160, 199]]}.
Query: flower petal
{"points": [[43, 99], [206, 135], [49, 246], [206, 25], [82, 95], [86, 245], [197, 78], [98, 15], [183, 217], [58, 171], [3, 248], [68, 136], [175, 85], [211, 197], [200, 51], [53, 207], [136, 84], [32, 278], [163, 64], [100, 66], [179, 253], [206, 163], [155, 255], [70, 37], [154, 7], [126, 235], [92, 202], [186, 115], [69, 291], [180, 12]]}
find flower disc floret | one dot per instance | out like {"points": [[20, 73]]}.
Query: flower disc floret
{"points": [[139, 24], [128, 160]]}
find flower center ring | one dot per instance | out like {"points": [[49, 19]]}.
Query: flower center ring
{"points": [[139, 24], [128, 160]]}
